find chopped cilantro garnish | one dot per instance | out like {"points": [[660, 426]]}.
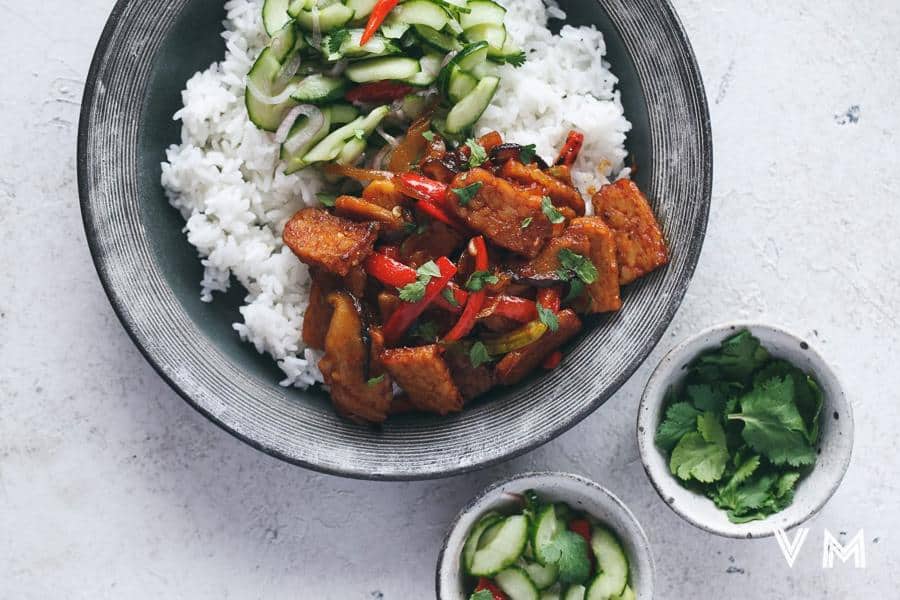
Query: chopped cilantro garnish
{"points": [[466, 194], [526, 222], [428, 135], [479, 279], [326, 199], [482, 595], [478, 354], [447, 294], [478, 154], [427, 331], [576, 288], [547, 317], [740, 427], [578, 265], [375, 380], [414, 292], [550, 211], [527, 154], [336, 40]]}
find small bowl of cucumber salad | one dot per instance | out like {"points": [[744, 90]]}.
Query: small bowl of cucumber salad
{"points": [[545, 536], [744, 430]]}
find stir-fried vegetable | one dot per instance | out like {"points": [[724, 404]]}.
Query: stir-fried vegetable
{"points": [[401, 320], [478, 249], [394, 273], [571, 149], [515, 340]]}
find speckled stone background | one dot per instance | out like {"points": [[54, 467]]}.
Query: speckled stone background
{"points": [[112, 487]]}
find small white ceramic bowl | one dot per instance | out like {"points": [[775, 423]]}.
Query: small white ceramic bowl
{"points": [[813, 491], [580, 493]]}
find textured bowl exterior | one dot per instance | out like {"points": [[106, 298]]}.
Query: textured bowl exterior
{"points": [[149, 49], [580, 493], [813, 491]]}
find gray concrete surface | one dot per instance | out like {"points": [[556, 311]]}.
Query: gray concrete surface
{"points": [[112, 487]]}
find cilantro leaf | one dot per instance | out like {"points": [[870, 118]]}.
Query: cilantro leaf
{"points": [[517, 60], [527, 154], [738, 357], [773, 425], [447, 294], [785, 484], [479, 279], [706, 396], [576, 288], [711, 429], [547, 317], [414, 292], [582, 267], [569, 551], [478, 354], [526, 222], [807, 393], [694, 457], [373, 381], [482, 595], [428, 135], [752, 494], [681, 419], [336, 40], [465, 194], [551, 211], [478, 155], [326, 199], [743, 472], [427, 331]]}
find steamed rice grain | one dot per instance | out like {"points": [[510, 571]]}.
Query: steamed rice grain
{"points": [[225, 180]]}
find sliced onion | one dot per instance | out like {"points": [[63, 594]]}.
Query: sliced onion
{"points": [[264, 98], [287, 71], [427, 92], [450, 56], [338, 69], [316, 122], [377, 162], [317, 27], [391, 140]]}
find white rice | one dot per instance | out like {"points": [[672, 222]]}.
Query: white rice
{"points": [[225, 179]]}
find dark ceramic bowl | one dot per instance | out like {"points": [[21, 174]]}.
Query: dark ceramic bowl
{"points": [[149, 49]]}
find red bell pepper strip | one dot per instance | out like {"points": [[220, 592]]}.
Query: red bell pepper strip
{"points": [[570, 151], [551, 362], [390, 251], [378, 92], [485, 584], [437, 213], [391, 272], [549, 298], [379, 14], [514, 308], [466, 322], [423, 188], [407, 313]]}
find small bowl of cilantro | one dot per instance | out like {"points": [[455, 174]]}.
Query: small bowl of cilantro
{"points": [[545, 536], [744, 429]]}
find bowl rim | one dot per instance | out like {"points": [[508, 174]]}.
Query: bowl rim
{"points": [[588, 485], [693, 80], [645, 430]]}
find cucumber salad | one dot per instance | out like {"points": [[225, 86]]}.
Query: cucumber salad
{"points": [[548, 551], [336, 72]]}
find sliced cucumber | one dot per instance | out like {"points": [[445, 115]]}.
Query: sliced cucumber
{"points": [[295, 6], [361, 8], [262, 113], [509, 53], [471, 545], [461, 84], [319, 89], [437, 39], [516, 584], [503, 549], [546, 526], [482, 11], [284, 41], [466, 59], [294, 148], [379, 69], [612, 564], [457, 6], [333, 16], [275, 15], [429, 67], [467, 111], [341, 114], [378, 45], [422, 12], [394, 30], [332, 145], [494, 35], [628, 594], [414, 106], [353, 149], [575, 592], [553, 593], [543, 577]]}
